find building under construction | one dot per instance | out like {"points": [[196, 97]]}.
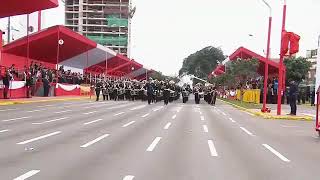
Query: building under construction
{"points": [[105, 21]]}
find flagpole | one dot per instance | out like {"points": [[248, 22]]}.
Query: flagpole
{"points": [[28, 43], [281, 66], [9, 29], [39, 20]]}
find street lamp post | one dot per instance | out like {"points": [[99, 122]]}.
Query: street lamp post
{"points": [[266, 64], [281, 81]]}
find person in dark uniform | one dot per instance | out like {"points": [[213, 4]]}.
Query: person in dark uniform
{"points": [[150, 90], [115, 91], [127, 90], [105, 91], [28, 78], [46, 86], [196, 92], [312, 97], [293, 90], [98, 89], [213, 96], [166, 93], [6, 82]]}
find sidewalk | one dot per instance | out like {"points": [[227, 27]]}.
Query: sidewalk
{"points": [[305, 113], [4, 102]]}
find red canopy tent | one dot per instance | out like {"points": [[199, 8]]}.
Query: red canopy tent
{"points": [[18, 7], [118, 65], [43, 47], [244, 53]]}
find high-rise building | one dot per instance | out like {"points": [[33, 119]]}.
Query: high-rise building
{"points": [[312, 58], [107, 22]]}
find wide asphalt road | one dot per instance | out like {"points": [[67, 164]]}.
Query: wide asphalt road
{"points": [[86, 140]]}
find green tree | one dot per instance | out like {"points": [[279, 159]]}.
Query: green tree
{"points": [[296, 69], [244, 69], [238, 72], [202, 62]]}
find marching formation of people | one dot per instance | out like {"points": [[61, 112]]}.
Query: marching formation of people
{"points": [[207, 92], [152, 91]]}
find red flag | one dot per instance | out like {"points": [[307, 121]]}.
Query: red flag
{"points": [[285, 43], [294, 43]]}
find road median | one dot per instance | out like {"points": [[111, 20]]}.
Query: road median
{"points": [[257, 112]]}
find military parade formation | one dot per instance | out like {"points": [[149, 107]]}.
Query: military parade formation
{"points": [[152, 91]]}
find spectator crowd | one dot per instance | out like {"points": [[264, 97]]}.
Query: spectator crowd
{"points": [[37, 73]]}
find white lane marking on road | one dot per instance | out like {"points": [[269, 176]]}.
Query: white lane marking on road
{"points": [[14, 119], [118, 114], [145, 115], [59, 112], [5, 130], [27, 175], [212, 149], [68, 103], [232, 120], [246, 131], [224, 113], [37, 110], [174, 116], [200, 112], [202, 118], [90, 112], [179, 109], [59, 119], [128, 124], [167, 125], [129, 177], [94, 141], [7, 110], [157, 109], [205, 128], [138, 107], [276, 153], [40, 137], [286, 126], [97, 120], [153, 144], [49, 105]]}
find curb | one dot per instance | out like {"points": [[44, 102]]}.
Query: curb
{"points": [[39, 101], [271, 117]]}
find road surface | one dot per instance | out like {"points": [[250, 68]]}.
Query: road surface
{"points": [[86, 140]]}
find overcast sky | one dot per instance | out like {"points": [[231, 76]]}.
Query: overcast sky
{"points": [[165, 32]]}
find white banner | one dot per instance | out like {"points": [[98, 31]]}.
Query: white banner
{"points": [[67, 87], [14, 84]]}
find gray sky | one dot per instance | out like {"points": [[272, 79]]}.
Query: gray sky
{"points": [[167, 31]]}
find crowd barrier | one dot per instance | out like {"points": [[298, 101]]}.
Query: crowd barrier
{"points": [[18, 89], [249, 95]]}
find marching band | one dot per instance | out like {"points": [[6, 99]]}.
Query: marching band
{"points": [[152, 90]]}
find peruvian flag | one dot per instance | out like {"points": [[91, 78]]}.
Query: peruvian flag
{"points": [[292, 39]]}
